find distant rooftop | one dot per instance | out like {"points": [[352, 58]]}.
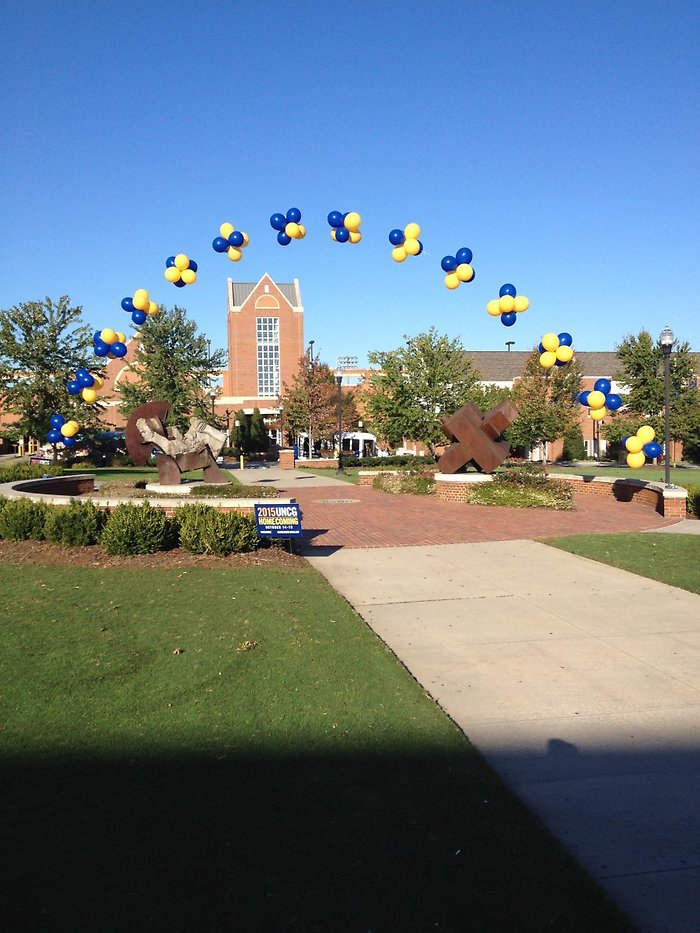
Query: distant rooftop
{"points": [[504, 366], [242, 291]]}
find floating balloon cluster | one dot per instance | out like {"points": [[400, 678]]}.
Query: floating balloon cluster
{"points": [[108, 342], [86, 385], [62, 430], [139, 307], [556, 350], [458, 268], [180, 270], [231, 241], [599, 399], [345, 227], [405, 242], [641, 445], [508, 305], [288, 226]]}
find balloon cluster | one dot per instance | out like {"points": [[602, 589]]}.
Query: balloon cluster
{"points": [[231, 241], [62, 430], [180, 270], [139, 307], [599, 399], [86, 385], [556, 350], [108, 342], [289, 226], [345, 227], [641, 445], [405, 242], [508, 305], [458, 268]]}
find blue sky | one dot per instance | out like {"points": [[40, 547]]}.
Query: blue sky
{"points": [[557, 140]]}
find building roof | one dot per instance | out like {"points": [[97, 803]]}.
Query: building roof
{"points": [[504, 366], [242, 291]]}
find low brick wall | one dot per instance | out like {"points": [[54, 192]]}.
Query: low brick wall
{"points": [[77, 485], [320, 464]]}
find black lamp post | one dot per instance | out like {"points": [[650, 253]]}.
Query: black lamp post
{"points": [[666, 341], [281, 424], [339, 383]]}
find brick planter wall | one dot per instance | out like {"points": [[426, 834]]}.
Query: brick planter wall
{"points": [[286, 461], [77, 485]]}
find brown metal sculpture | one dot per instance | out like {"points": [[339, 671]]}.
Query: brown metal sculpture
{"points": [[196, 449], [477, 437]]}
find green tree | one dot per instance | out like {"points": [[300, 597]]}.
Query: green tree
{"points": [[42, 343], [241, 432], [574, 446], [259, 438], [416, 385], [310, 401], [172, 364], [547, 403]]}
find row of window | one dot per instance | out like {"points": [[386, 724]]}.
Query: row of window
{"points": [[268, 341]]}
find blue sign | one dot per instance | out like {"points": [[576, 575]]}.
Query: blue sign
{"points": [[278, 520]]}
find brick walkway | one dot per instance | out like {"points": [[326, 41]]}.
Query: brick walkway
{"points": [[361, 517]]}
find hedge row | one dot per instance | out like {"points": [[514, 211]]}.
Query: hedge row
{"points": [[693, 504], [129, 529], [13, 474]]}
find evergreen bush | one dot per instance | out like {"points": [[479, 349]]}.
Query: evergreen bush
{"points": [[693, 501], [204, 530], [574, 447], [14, 474], [77, 524], [415, 483], [23, 520], [136, 529]]}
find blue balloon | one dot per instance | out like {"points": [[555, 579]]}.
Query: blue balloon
{"points": [[80, 374], [283, 239], [507, 289], [464, 255], [342, 234], [54, 436], [128, 304], [193, 265], [541, 349], [509, 318], [170, 261], [118, 348], [613, 402], [68, 441], [57, 421], [96, 336], [335, 219], [583, 397], [565, 340], [293, 215], [179, 283], [396, 237], [278, 221], [85, 379], [602, 385], [138, 317], [219, 244], [624, 439], [420, 250], [236, 239], [449, 264], [74, 388], [652, 450], [101, 348]]}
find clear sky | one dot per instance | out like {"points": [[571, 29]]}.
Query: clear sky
{"points": [[558, 140]]}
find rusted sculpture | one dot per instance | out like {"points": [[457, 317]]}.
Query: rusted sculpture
{"points": [[197, 449], [477, 437]]}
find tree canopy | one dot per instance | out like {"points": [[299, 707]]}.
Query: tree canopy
{"points": [[311, 402], [416, 385]]}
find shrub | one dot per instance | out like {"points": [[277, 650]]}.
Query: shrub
{"points": [[556, 494], [23, 520], [574, 447], [28, 471], [78, 523], [237, 491], [393, 461], [530, 475], [204, 530], [693, 502], [414, 483], [136, 529]]}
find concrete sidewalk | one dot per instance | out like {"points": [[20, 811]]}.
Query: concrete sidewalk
{"points": [[580, 684]]}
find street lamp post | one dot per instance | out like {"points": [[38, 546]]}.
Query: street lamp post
{"points": [[339, 383], [281, 424], [666, 341], [212, 396]]}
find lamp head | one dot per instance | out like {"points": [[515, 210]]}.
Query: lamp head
{"points": [[666, 338]]}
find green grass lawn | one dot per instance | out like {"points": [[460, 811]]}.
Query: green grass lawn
{"points": [[680, 476], [233, 749], [669, 558]]}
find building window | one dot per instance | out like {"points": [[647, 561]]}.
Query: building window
{"points": [[268, 339]]}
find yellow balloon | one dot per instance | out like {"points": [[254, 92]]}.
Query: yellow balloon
{"points": [[140, 295], [333, 234], [182, 261], [411, 246], [521, 303], [292, 230], [246, 238], [464, 272], [597, 414], [452, 280], [108, 335], [70, 428], [494, 308], [352, 221], [226, 230], [411, 231], [355, 236], [234, 254], [120, 336], [89, 395], [547, 359], [633, 444], [506, 303], [596, 400], [300, 235], [550, 342], [564, 354], [646, 433], [99, 381], [635, 460], [398, 254], [189, 276], [172, 274], [152, 308]]}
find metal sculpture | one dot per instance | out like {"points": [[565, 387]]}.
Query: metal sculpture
{"points": [[477, 437]]}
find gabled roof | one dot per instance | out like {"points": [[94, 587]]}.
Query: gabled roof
{"points": [[241, 291], [502, 366]]}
